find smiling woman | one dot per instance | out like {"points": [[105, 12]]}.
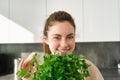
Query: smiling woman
{"points": [[61, 41], [59, 37]]}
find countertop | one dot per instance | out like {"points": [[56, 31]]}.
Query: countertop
{"points": [[108, 74], [7, 77]]}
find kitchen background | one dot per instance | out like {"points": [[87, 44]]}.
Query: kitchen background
{"points": [[97, 34]]}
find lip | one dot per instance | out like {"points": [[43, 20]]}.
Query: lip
{"points": [[64, 51]]}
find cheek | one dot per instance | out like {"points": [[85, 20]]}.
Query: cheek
{"points": [[72, 44], [53, 46]]}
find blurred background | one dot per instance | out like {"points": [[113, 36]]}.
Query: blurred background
{"points": [[97, 31]]}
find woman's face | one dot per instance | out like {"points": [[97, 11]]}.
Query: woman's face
{"points": [[61, 38]]}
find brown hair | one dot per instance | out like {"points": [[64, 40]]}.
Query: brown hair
{"points": [[59, 16]]}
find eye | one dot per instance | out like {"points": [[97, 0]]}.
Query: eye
{"points": [[57, 38], [70, 37]]}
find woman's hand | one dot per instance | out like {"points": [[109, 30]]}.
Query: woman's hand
{"points": [[25, 64]]}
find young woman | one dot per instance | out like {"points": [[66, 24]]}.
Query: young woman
{"points": [[59, 36]]}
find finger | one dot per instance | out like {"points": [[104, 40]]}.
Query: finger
{"points": [[30, 57], [26, 63], [21, 65]]}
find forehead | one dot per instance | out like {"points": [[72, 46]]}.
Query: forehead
{"points": [[62, 28]]}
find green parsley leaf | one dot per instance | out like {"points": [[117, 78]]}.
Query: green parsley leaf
{"points": [[59, 67]]}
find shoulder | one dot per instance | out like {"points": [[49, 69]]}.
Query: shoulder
{"points": [[94, 72], [89, 62]]}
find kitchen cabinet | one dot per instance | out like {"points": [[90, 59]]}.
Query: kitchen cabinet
{"points": [[4, 13], [74, 7], [96, 20], [4, 8], [22, 21], [29, 15], [101, 20]]}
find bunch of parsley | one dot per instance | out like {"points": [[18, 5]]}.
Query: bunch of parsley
{"points": [[58, 67]]}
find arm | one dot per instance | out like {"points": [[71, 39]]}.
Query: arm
{"points": [[94, 72]]}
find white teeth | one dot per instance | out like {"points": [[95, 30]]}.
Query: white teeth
{"points": [[63, 51]]}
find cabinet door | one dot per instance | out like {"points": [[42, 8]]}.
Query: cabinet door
{"points": [[4, 8], [4, 14], [74, 7], [29, 15], [101, 20]]}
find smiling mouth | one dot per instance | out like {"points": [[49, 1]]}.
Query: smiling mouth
{"points": [[63, 51]]}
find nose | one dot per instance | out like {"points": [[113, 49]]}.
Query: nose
{"points": [[64, 43]]}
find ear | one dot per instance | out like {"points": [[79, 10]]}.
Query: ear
{"points": [[45, 39]]}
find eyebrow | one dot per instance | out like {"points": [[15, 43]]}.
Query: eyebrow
{"points": [[67, 35], [70, 34]]}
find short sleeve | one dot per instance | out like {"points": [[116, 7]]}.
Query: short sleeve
{"points": [[94, 72]]}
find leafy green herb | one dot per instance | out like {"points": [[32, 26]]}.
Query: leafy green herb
{"points": [[21, 73], [59, 67]]}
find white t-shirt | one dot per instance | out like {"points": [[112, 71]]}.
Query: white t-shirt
{"points": [[94, 72]]}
